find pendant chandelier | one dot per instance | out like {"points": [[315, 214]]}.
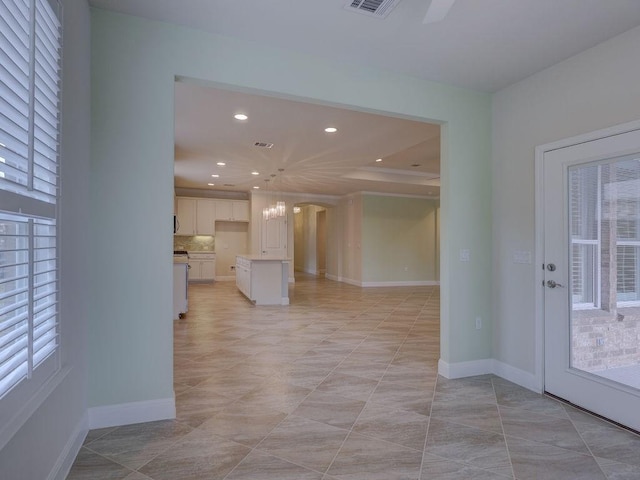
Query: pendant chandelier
{"points": [[277, 208]]}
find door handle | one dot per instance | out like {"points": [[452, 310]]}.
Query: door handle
{"points": [[554, 284]]}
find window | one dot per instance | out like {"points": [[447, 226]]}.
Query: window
{"points": [[30, 46], [585, 236], [605, 233]]}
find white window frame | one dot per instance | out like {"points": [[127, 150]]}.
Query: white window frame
{"points": [[597, 294], [635, 244], [596, 289], [630, 243], [35, 197]]}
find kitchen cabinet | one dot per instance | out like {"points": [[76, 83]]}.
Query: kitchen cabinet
{"points": [[232, 210], [180, 288], [263, 280], [202, 266], [243, 276], [186, 215], [196, 216], [205, 216]]}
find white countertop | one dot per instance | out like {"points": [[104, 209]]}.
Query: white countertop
{"points": [[259, 257]]}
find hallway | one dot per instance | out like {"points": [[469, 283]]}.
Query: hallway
{"points": [[342, 384]]}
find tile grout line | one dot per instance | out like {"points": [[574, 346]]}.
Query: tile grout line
{"points": [[426, 437], [307, 396], [368, 398], [504, 435]]}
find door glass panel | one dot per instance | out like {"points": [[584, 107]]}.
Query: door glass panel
{"points": [[604, 224]]}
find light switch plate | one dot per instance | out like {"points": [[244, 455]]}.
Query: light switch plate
{"points": [[522, 256]]}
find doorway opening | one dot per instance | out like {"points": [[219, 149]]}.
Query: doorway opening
{"points": [[310, 239]]}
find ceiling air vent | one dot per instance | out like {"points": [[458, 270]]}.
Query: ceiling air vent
{"points": [[376, 8], [263, 144]]}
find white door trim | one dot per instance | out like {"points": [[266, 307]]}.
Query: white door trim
{"points": [[539, 231]]}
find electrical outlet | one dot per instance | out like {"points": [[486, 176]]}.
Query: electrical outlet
{"points": [[232, 268], [478, 323]]}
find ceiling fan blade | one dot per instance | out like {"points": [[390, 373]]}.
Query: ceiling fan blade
{"points": [[437, 10]]}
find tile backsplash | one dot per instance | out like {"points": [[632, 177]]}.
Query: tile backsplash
{"points": [[197, 243]]}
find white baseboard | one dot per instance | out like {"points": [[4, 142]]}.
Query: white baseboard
{"points": [[403, 283], [68, 455], [490, 366], [517, 376], [134, 412], [465, 369]]}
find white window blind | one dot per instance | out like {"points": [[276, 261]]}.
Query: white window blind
{"points": [[585, 245], [605, 232], [30, 46], [627, 202]]}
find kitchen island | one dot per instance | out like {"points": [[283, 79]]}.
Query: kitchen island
{"points": [[262, 279]]}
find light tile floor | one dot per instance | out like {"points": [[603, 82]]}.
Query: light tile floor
{"points": [[342, 384]]}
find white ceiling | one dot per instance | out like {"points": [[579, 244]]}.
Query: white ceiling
{"points": [[480, 44], [313, 161]]}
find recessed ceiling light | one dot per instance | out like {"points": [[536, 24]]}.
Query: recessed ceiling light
{"points": [[378, 159], [221, 164], [215, 175], [211, 184], [415, 164], [240, 116], [256, 187], [255, 173], [331, 129]]}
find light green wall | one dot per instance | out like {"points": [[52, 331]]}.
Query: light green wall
{"points": [[134, 64], [398, 239], [298, 242], [352, 239], [596, 89], [130, 336]]}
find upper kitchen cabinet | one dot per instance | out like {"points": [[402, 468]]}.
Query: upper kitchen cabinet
{"points": [[205, 216], [232, 210], [186, 214], [196, 216]]}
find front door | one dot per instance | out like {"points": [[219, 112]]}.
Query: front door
{"points": [[592, 275]]}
